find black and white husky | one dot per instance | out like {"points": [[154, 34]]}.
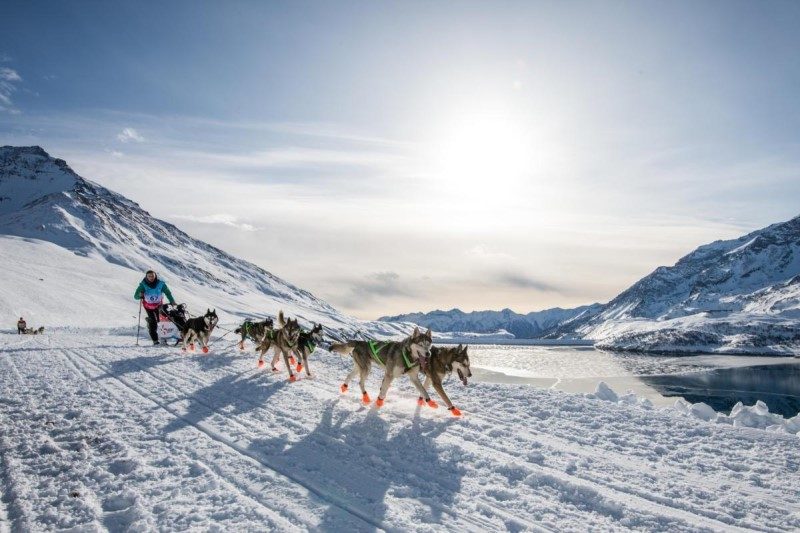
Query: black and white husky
{"points": [[307, 342], [199, 328]]}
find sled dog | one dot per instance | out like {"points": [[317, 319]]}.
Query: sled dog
{"points": [[306, 344], [284, 341], [255, 331], [199, 328], [396, 358], [442, 362]]}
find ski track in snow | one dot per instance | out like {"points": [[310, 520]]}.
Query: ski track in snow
{"points": [[98, 434]]}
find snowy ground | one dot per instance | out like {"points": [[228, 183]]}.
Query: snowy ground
{"points": [[98, 434]]}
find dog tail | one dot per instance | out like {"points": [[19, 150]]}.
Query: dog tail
{"points": [[345, 348], [281, 320]]}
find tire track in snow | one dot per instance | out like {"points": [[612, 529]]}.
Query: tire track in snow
{"points": [[506, 515], [608, 490], [248, 493], [333, 499]]}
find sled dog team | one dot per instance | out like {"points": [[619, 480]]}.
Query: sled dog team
{"points": [[410, 356]]}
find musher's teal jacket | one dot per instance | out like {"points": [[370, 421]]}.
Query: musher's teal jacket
{"points": [[150, 294]]}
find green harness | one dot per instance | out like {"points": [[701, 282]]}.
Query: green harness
{"points": [[375, 349]]}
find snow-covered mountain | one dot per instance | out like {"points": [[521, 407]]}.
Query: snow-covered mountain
{"points": [[63, 235], [740, 295], [529, 326], [735, 296]]}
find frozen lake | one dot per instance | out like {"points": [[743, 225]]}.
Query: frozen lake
{"points": [[718, 380]]}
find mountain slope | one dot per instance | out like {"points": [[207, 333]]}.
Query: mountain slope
{"points": [[529, 326], [42, 199], [740, 295]]}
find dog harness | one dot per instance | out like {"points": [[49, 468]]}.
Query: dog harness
{"points": [[375, 350]]}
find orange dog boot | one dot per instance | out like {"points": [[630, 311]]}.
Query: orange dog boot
{"points": [[432, 404], [420, 401], [300, 367], [291, 359], [365, 399], [343, 388], [260, 363], [292, 378], [455, 411], [205, 349], [379, 402]]}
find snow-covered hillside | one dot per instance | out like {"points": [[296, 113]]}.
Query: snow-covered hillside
{"points": [[63, 234], [529, 326], [740, 295], [98, 435]]}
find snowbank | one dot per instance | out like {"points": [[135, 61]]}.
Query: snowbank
{"points": [[741, 416]]}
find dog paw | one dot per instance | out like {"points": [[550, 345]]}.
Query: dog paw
{"points": [[300, 367], [420, 401], [454, 410], [292, 360], [365, 399], [274, 369], [343, 388], [292, 378], [379, 402], [260, 364], [432, 404], [205, 349]]}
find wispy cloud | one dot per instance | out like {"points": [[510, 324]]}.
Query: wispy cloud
{"points": [[522, 281], [219, 218], [375, 286], [128, 135], [9, 79]]}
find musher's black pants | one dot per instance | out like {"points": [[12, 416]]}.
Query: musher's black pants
{"points": [[152, 322]]}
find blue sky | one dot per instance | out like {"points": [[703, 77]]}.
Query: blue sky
{"points": [[408, 156]]}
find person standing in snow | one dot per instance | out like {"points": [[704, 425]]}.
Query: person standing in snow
{"points": [[21, 325], [150, 292]]}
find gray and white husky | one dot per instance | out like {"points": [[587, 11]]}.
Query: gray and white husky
{"points": [[199, 328], [283, 340], [442, 362], [396, 358]]}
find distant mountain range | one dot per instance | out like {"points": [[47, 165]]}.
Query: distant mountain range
{"points": [[529, 326], [735, 296]]}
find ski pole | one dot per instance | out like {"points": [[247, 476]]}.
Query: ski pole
{"points": [[139, 323]]}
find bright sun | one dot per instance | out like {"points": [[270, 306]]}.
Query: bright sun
{"points": [[482, 156]]}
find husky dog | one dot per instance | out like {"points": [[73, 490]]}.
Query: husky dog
{"points": [[284, 341], [397, 358], [306, 344], [32, 331], [255, 331], [176, 314], [199, 328], [442, 362]]}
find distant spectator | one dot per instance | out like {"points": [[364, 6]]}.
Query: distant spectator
{"points": [[21, 325]]}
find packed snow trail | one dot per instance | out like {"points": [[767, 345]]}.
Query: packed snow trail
{"points": [[96, 433]]}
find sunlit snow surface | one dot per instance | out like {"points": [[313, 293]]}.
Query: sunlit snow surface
{"points": [[97, 434]]}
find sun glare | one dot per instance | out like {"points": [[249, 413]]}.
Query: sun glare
{"points": [[482, 157]]}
